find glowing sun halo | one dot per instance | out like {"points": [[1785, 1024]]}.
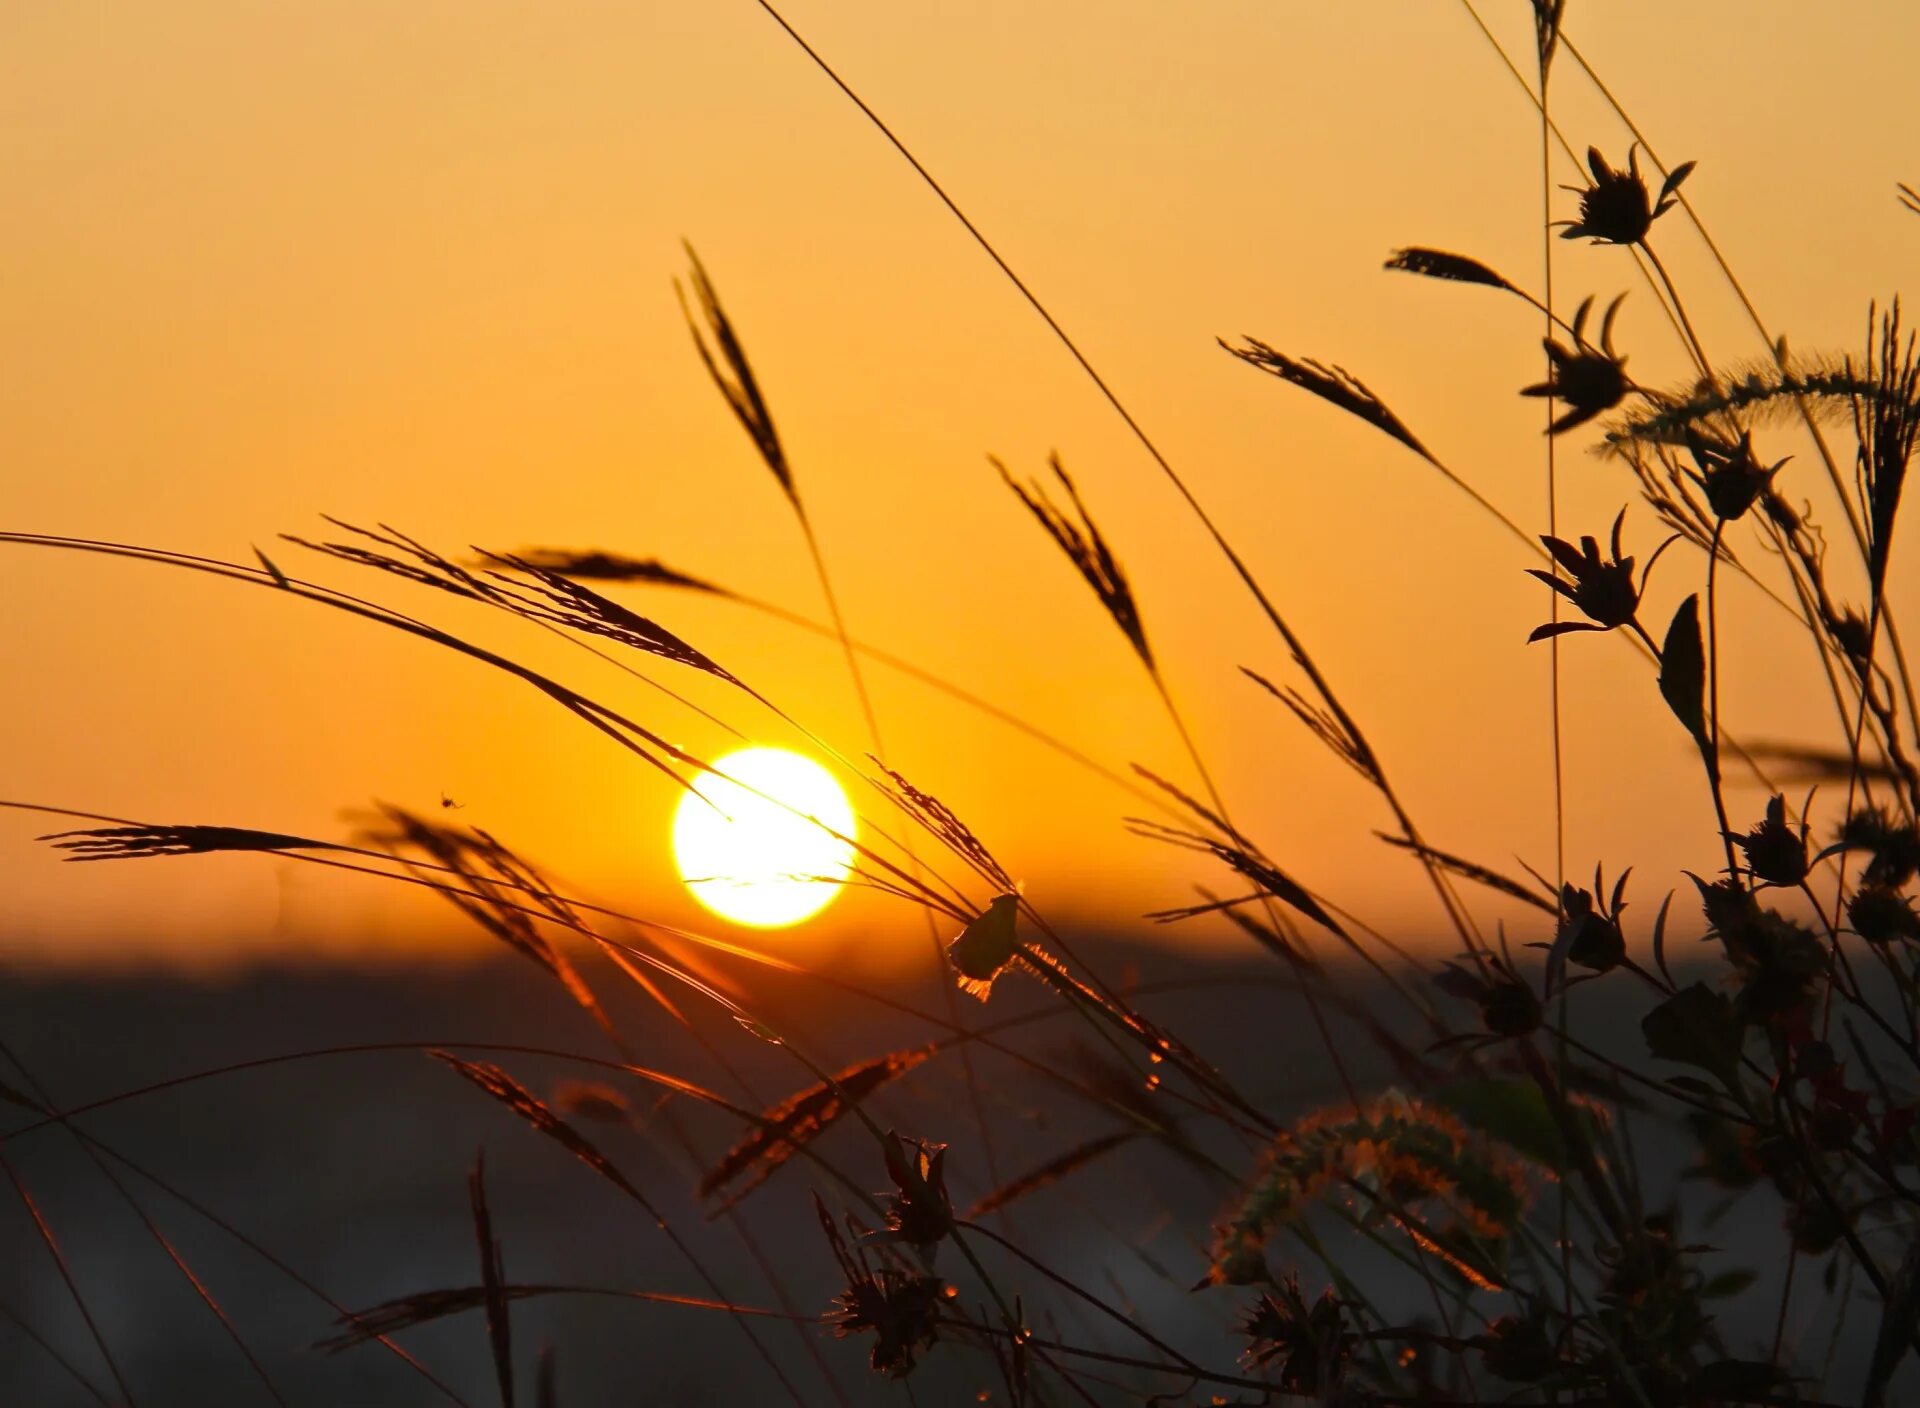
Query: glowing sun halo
{"points": [[750, 859]]}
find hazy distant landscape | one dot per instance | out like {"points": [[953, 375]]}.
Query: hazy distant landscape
{"points": [[353, 1169]]}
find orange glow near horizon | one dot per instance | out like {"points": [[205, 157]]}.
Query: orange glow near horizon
{"points": [[413, 265]]}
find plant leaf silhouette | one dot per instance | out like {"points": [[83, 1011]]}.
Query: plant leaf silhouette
{"points": [[1683, 671], [1696, 1027]]}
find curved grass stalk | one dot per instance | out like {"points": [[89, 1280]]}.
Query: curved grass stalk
{"points": [[152, 1230], [1293, 642], [213, 1219], [626, 955], [650, 747], [47, 1347], [44, 1230], [741, 390]]}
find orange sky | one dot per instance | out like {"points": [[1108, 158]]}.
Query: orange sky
{"points": [[412, 263]]}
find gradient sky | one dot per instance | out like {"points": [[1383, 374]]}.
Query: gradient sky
{"points": [[413, 263]]}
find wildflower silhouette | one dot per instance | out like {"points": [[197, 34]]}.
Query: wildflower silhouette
{"points": [[1520, 1348], [1775, 852], [1590, 927], [1589, 379], [1893, 845], [919, 1211], [1616, 208], [1603, 589], [1775, 959], [1880, 914], [900, 1308], [1310, 1344], [1730, 474], [1508, 1007]]}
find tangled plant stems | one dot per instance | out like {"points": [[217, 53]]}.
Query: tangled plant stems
{"points": [[1486, 1229]]}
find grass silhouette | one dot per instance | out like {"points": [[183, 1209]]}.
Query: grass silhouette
{"points": [[1500, 1184]]}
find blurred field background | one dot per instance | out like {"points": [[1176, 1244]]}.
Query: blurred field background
{"points": [[353, 1169]]}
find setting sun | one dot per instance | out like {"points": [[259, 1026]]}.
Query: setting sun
{"points": [[747, 841]]}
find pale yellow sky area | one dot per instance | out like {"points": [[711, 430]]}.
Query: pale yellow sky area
{"points": [[412, 263]]}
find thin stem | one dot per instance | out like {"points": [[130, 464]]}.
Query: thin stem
{"points": [[46, 1347], [964, 696], [1679, 308], [52, 1244], [1213, 531], [1563, 1192], [1713, 702], [942, 966], [1312, 999], [213, 1219], [152, 1228], [1064, 1283]]}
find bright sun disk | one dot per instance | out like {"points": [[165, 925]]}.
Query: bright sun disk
{"points": [[746, 847]]}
